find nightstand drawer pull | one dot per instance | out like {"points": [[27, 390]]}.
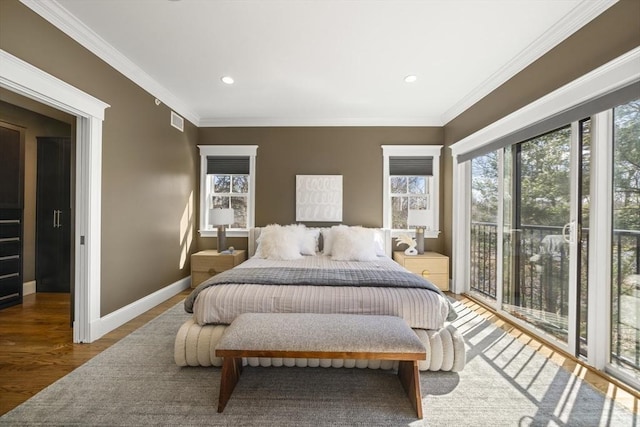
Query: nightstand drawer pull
{"points": [[212, 271], [425, 273]]}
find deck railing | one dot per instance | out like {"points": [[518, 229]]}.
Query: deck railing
{"points": [[542, 269]]}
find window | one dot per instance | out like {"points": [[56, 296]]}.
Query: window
{"points": [[411, 182], [227, 180]]}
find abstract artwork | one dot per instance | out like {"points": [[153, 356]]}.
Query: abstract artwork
{"points": [[319, 198]]}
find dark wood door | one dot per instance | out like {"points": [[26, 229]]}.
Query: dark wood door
{"points": [[53, 215]]}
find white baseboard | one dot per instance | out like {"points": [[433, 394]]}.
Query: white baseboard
{"points": [[29, 288], [121, 316]]}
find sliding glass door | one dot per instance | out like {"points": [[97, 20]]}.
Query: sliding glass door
{"points": [[532, 226], [539, 231], [625, 260]]}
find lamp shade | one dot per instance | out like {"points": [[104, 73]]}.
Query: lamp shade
{"points": [[419, 217], [221, 216]]}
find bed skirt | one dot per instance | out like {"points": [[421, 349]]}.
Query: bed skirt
{"points": [[195, 344]]}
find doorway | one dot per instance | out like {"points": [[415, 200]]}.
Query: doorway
{"points": [[23, 78]]}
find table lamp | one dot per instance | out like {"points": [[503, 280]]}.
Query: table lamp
{"points": [[419, 218], [221, 218]]}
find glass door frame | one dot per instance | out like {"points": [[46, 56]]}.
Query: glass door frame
{"points": [[571, 235], [616, 74]]}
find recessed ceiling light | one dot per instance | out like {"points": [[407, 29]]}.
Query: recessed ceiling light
{"points": [[228, 80], [410, 78]]}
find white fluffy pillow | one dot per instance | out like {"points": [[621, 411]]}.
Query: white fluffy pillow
{"points": [[277, 242], [353, 244]]}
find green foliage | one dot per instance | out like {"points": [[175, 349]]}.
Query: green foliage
{"points": [[626, 171]]}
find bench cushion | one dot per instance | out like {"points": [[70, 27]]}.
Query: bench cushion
{"points": [[309, 332]]}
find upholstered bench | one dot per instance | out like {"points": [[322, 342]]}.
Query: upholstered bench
{"points": [[321, 336]]}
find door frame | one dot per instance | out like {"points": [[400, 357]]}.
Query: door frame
{"points": [[27, 80]]}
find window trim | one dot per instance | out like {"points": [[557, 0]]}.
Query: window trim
{"points": [[221, 151], [411, 151]]}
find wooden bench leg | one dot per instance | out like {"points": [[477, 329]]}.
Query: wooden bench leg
{"points": [[231, 370], [410, 379]]}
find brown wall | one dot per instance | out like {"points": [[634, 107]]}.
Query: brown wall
{"points": [[608, 36], [35, 125], [148, 169], [353, 152]]}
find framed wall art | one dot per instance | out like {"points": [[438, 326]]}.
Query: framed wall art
{"points": [[319, 198]]}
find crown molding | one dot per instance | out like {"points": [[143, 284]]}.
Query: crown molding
{"points": [[319, 122], [579, 16], [60, 17], [611, 76]]}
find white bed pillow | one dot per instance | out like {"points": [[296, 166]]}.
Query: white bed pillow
{"points": [[327, 238], [353, 244], [378, 238], [309, 242], [277, 242], [307, 238]]}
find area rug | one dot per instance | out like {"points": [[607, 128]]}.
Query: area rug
{"points": [[136, 383]]}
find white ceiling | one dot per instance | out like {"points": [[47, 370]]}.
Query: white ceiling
{"points": [[319, 62]]}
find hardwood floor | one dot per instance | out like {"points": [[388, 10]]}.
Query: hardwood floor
{"points": [[36, 344], [36, 348], [616, 390]]}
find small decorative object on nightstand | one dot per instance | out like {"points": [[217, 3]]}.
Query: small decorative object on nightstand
{"points": [[405, 239], [205, 264], [431, 265]]}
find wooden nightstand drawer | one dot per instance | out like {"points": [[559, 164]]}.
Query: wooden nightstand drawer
{"points": [[427, 266], [205, 264], [430, 265]]}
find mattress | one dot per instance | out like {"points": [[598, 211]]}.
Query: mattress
{"points": [[222, 303]]}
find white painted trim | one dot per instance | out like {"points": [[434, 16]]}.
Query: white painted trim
{"points": [[409, 151], [607, 78], [121, 316], [228, 233], [66, 22], [600, 226], [318, 122], [575, 205], [461, 228], [20, 77], [250, 151], [29, 288], [581, 14], [500, 237]]}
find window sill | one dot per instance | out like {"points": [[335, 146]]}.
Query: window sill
{"points": [[428, 234], [229, 233]]}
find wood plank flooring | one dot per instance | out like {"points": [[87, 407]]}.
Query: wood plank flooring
{"points": [[36, 348], [36, 344], [614, 389]]}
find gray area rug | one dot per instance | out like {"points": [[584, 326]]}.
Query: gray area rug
{"points": [[135, 382]]}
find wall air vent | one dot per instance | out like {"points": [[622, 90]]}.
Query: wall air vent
{"points": [[177, 121]]}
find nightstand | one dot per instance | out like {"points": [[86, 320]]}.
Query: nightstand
{"points": [[205, 264], [430, 265]]}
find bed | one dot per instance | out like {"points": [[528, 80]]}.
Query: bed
{"points": [[340, 269]]}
